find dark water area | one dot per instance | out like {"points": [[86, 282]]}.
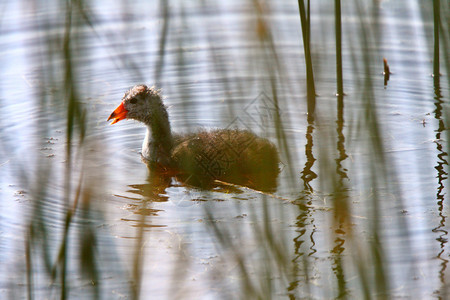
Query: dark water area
{"points": [[360, 206]]}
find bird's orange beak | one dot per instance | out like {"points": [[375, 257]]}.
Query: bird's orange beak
{"points": [[119, 114]]}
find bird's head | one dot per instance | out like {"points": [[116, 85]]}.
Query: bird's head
{"points": [[138, 104]]}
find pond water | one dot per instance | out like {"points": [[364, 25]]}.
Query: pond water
{"points": [[360, 207]]}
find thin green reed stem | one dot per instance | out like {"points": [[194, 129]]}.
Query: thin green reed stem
{"points": [[310, 88], [68, 78], [70, 124], [75, 116], [437, 21], [378, 172], [308, 19], [445, 29], [338, 31], [163, 39], [441, 158], [29, 263], [138, 259]]}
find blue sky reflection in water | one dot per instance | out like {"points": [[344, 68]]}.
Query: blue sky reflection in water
{"points": [[212, 69]]}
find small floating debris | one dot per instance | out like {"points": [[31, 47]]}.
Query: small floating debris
{"points": [[20, 193], [240, 216], [386, 71]]}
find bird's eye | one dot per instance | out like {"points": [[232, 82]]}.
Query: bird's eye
{"points": [[133, 100]]}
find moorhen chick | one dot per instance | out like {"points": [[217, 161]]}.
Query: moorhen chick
{"points": [[229, 155]]}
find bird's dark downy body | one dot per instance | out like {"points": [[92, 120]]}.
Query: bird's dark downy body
{"points": [[229, 155]]}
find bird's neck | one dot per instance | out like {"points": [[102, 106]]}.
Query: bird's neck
{"points": [[158, 142]]}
